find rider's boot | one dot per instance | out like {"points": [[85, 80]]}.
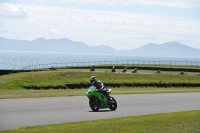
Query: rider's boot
{"points": [[107, 99]]}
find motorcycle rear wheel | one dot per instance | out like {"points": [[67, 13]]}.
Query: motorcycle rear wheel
{"points": [[94, 104]]}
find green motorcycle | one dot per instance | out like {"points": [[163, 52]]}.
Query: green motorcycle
{"points": [[99, 101]]}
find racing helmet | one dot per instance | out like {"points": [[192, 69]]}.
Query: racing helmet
{"points": [[92, 79]]}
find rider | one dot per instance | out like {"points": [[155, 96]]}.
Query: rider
{"points": [[99, 86]]}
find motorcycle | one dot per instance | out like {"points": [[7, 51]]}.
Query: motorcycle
{"points": [[97, 100]]}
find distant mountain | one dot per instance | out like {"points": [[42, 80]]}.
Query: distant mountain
{"points": [[66, 45], [52, 45], [165, 49]]}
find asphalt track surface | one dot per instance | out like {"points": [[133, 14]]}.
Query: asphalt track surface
{"points": [[16, 113]]}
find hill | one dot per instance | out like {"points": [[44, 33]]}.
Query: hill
{"points": [[52, 45], [165, 49], [65, 45]]}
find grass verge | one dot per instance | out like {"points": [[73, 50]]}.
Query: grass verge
{"points": [[10, 93], [179, 122], [60, 78]]}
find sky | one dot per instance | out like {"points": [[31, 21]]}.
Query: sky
{"points": [[120, 24]]}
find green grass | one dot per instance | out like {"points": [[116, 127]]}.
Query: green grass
{"points": [[155, 66], [55, 78], [179, 122], [12, 85], [22, 93]]}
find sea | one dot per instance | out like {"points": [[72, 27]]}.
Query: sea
{"points": [[17, 60]]}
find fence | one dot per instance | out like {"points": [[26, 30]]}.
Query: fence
{"points": [[121, 62]]}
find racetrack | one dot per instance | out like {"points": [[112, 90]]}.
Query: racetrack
{"points": [[15, 113]]}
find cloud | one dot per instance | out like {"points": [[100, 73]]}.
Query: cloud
{"points": [[53, 15], [168, 37], [54, 31], [164, 3], [3, 30], [12, 11], [122, 36], [79, 24]]}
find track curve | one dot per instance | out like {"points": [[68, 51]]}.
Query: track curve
{"points": [[15, 113]]}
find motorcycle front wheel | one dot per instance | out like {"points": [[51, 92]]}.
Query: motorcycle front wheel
{"points": [[113, 104], [94, 104]]}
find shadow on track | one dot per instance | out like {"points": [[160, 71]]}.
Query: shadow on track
{"points": [[101, 111]]}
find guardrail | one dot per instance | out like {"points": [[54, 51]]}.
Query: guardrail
{"points": [[121, 62]]}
